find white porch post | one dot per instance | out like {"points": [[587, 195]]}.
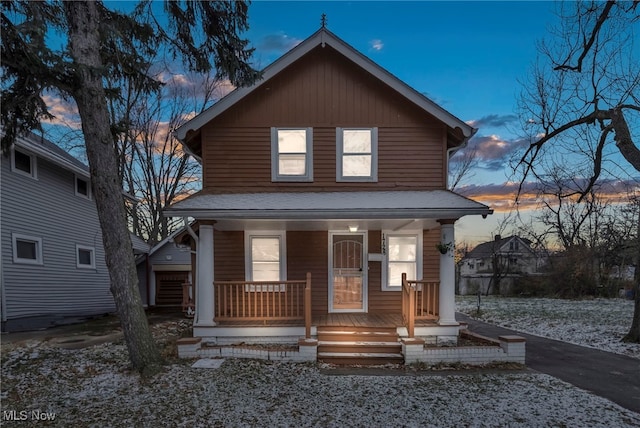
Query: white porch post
{"points": [[447, 276], [204, 274]]}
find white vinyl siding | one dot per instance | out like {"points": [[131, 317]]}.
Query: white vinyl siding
{"points": [[49, 210], [292, 154], [357, 154], [26, 249]]}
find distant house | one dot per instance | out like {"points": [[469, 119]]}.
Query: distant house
{"points": [[497, 264], [162, 271], [323, 183], [52, 255]]}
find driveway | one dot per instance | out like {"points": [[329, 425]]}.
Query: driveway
{"points": [[612, 376]]}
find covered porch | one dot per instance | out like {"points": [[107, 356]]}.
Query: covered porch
{"points": [[337, 258], [269, 309]]}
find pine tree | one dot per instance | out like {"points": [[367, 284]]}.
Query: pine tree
{"points": [[70, 48]]}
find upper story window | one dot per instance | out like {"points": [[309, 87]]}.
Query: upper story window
{"points": [[357, 154], [85, 257], [23, 163], [291, 154], [83, 188], [26, 249]]}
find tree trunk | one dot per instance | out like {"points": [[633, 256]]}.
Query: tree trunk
{"points": [[633, 335], [83, 26], [623, 138]]}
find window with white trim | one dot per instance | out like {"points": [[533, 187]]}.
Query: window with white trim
{"points": [[403, 255], [23, 163], [291, 154], [85, 257], [265, 260], [357, 154], [26, 249], [83, 189]]}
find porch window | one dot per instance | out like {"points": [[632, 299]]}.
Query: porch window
{"points": [[85, 257], [26, 249], [404, 255], [357, 154], [291, 154], [23, 163], [265, 260]]}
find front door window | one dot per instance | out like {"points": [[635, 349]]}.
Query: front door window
{"points": [[348, 273]]}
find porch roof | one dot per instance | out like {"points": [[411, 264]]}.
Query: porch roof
{"points": [[430, 204]]}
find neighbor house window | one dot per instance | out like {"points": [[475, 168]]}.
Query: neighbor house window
{"points": [[83, 188], [404, 255], [26, 249], [291, 154], [357, 154], [23, 163], [265, 259], [85, 257]]}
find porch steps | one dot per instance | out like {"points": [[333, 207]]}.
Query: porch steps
{"points": [[359, 345]]}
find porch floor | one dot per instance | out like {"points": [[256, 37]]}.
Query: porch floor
{"points": [[334, 319]]}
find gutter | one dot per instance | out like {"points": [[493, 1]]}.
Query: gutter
{"points": [[190, 230], [327, 214]]}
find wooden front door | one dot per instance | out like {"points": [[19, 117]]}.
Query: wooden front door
{"points": [[347, 274]]}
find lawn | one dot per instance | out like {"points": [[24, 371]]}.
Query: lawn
{"points": [[597, 323], [94, 387]]}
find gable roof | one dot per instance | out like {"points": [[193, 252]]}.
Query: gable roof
{"points": [[45, 149], [138, 244], [488, 249], [324, 37]]}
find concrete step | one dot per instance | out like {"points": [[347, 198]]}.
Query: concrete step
{"points": [[359, 347], [353, 336], [360, 358]]}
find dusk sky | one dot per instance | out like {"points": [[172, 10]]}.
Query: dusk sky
{"points": [[466, 56]]}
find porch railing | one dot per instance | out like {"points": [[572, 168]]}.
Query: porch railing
{"points": [[420, 301], [264, 301]]}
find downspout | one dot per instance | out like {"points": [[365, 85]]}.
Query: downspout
{"points": [[190, 231]]}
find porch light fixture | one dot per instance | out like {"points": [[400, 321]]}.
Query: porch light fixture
{"points": [[353, 229]]}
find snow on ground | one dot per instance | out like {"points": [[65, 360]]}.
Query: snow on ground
{"points": [[94, 387], [597, 323]]}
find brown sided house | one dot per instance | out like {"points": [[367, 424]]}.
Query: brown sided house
{"points": [[324, 183]]}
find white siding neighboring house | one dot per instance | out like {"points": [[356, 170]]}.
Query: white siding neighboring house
{"points": [[51, 253], [515, 258]]}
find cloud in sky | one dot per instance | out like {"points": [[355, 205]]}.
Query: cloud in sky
{"points": [[502, 197], [279, 42], [493, 120], [492, 151], [376, 44], [65, 112]]}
